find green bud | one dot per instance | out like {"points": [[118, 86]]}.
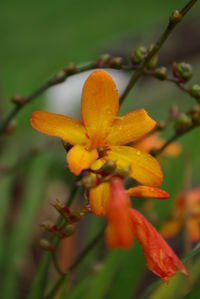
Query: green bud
{"points": [[161, 73], [182, 71], [46, 245], [176, 17], [116, 62], [124, 171], [109, 167], [88, 181], [195, 91], [182, 123], [139, 55]]}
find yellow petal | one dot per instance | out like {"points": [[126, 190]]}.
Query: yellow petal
{"points": [[130, 127], [59, 125], [99, 197], [144, 168], [78, 158], [99, 106], [171, 228], [147, 192]]}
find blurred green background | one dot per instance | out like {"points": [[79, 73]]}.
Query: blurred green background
{"points": [[37, 39]]}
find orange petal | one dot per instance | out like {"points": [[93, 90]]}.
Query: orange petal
{"points": [[78, 158], [144, 168], [99, 197], [171, 228], [147, 192], [160, 258], [99, 106], [130, 127], [59, 125], [119, 231]]}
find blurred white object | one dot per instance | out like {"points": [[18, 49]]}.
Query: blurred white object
{"points": [[65, 98]]}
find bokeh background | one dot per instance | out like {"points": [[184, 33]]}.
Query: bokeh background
{"points": [[38, 38]]}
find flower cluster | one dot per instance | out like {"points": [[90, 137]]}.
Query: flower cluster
{"points": [[102, 148]]}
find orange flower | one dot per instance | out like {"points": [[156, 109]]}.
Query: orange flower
{"points": [[186, 211], [155, 141], [160, 258], [102, 128], [124, 223]]}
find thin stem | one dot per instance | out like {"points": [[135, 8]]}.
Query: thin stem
{"points": [[79, 259], [59, 78], [171, 25], [173, 138]]}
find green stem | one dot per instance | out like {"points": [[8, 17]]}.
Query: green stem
{"points": [[171, 25]]}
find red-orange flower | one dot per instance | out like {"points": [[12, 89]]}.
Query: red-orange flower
{"points": [[125, 223], [186, 211], [102, 128], [160, 258]]}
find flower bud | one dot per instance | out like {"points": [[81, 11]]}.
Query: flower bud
{"points": [[109, 167], [116, 62], [19, 100], [103, 60], [182, 123], [195, 91], [161, 73], [70, 69], [176, 17], [88, 181], [139, 55], [161, 125], [183, 71], [68, 231], [49, 227], [46, 245], [124, 171]]}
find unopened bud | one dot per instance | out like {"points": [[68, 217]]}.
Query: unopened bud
{"points": [[109, 167], [88, 181], [19, 100], [161, 125], [182, 123], [176, 17], [68, 231], [139, 55], [183, 71], [124, 171], [116, 62], [103, 60], [161, 73], [49, 227], [70, 69], [195, 91], [46, 245]]}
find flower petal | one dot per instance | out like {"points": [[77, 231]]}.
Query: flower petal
{"points": [[147, 192], [130, 127], [160, 258], [99, 197], [78, 158], [59, 125], [119, 231], [99, 106], [144, 168]]}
